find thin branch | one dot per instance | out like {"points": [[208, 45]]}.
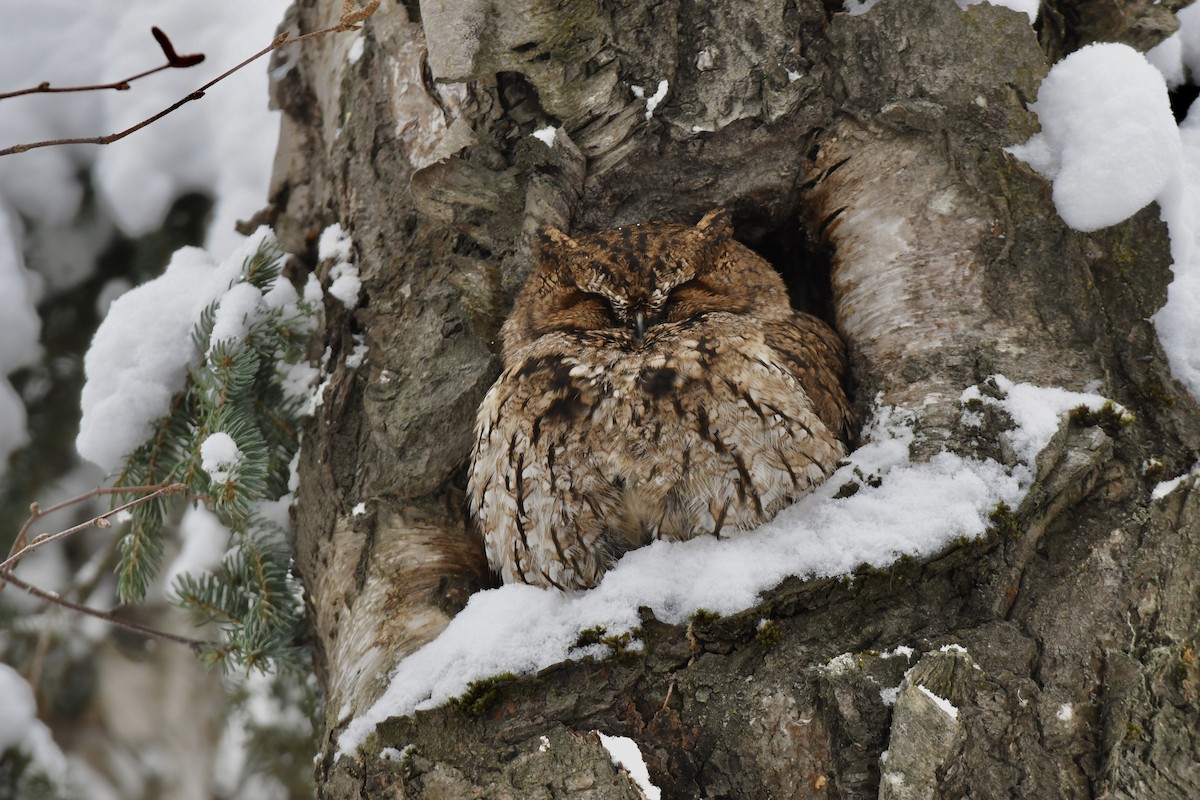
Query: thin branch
{"points": [[174, 61], [195, 644], [351, 17], [99, 521], [36, 512]]}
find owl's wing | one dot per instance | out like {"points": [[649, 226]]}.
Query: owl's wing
{"points": [[816, 356], [534, 490]]}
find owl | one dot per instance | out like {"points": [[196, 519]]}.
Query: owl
{"points": [[656, 384]]}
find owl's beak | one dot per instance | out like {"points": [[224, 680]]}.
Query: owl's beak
{"points": [[639, 324]]}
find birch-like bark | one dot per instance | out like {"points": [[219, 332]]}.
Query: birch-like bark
{"points": [[879, 137]]}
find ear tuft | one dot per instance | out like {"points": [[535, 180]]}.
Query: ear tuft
{"points": [[551, 239], [717, 224]]}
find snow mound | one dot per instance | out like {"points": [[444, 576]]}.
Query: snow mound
{"points": [[1108, 140], [899, 508], [140, 355]]}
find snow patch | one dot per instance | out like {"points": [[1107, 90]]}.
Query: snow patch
{"points": [[1108, 140], [1026, 7], [204, 543], [335, 244], [220, 456], [522, 629], [236, 312], [346, 284], [1110, 144], [653, 100], [132, 376], [625, 753], [941, 702], [545, 135], [1164, 488], [20, 727]]}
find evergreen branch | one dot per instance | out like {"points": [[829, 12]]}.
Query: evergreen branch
{"points": [[195, 644], [351, 16], [141, 555], [174, 61], [98, 521]]}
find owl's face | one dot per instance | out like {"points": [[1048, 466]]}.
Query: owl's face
{"points": [[629, 280]]}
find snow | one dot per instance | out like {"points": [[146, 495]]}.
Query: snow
{"points": [[522, 629], [941, 702], [625, 753], [1110, 144], [545, 135], [903, 651], [358, 354], [1179, 54], [220, 456], [1065, 713], [392, 754], [20, 727], [356, 50], [346, 284], [653, 100], [204, 543], [1108, 140], [131, 377], [1027, 7], [19, 328], [17, 708], [222, 144], [336, 245], [235, 314], [1164, 488]]}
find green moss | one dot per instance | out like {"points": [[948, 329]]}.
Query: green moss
{"points": [[618, 643], [1157, 394], [1004, 522], [769, 634], [704, 615], [1134, 732], [481, 695], [847, 489], [1111, 417], [590, 636]]}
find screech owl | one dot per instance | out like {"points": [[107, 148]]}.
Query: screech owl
{"points": [[657, 384]]}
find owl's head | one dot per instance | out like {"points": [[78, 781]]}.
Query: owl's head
{"points": [[631, 279]]}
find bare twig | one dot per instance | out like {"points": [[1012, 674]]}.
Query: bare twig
{"points": [[36, 512], [98, 521], [174, 61], [195, 644], [350, 21]]}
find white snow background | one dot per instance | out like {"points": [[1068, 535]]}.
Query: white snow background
{"points": [[222, 144]]}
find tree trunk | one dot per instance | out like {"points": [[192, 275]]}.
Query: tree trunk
{"points": [[874, 143]]}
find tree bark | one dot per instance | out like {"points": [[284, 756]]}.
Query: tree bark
{"points": [[876, 138]]}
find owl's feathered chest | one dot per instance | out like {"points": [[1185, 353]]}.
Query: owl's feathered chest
{"points": [[589, 444]]}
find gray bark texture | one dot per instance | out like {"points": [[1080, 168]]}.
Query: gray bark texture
{"points": [[822, 133]]}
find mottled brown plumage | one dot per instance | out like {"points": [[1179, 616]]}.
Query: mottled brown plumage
{"points": [[657, 385]]}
